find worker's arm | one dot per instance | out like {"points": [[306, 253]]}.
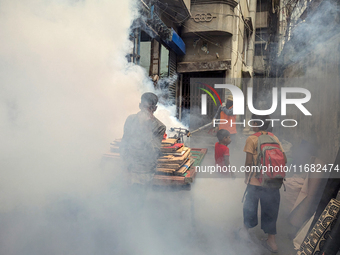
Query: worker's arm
{"points": [[226, 160], [217, 115], [248, 163], [158, 133], [124, 147], [126, 142], [229, 112]]}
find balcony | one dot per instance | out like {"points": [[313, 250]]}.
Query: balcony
{"points": [[211, 16], [178, 10]]}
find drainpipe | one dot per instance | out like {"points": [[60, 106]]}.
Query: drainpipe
{"points": [[138, 45], [250, 58]]}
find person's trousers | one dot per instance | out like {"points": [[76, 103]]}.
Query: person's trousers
{"points": [[269, 200]]}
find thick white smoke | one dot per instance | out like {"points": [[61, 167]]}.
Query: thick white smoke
{"points": [[66, 89], [65, 92]]}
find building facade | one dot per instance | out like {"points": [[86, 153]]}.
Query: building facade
{"points": [[156, 41], [223, 39]]}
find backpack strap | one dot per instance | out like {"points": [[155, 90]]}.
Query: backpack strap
{"points": [[259, 133]]}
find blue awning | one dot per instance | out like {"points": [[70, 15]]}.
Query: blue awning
{"points": [[155, 28], [176, 43]]}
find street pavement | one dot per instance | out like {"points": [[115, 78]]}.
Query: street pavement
{"points": [[218, 206]]}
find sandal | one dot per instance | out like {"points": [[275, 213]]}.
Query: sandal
{"points": [[266, 245]]}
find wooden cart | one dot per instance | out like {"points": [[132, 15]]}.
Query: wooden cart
{"points": [[171, 180], [188, 178]]}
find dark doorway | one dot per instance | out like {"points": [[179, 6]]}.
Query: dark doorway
{"points": [[191, 97]]}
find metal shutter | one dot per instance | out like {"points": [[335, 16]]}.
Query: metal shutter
{"points": [[172, 73]]}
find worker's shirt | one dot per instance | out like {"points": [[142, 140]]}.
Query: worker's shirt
{"points": [[226, 114], [141, 142], [251, 147]]}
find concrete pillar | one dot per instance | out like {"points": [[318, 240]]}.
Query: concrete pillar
{"points": [[251, 46], [154, 61], [234, 51]]}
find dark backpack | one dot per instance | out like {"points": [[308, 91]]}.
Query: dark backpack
{"points": [[270, 161]]}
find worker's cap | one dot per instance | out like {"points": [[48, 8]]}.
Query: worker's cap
{"points": [[149, 99], [230, 98]]}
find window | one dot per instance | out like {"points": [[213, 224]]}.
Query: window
{"points": [[262, 6], [164, 67], [145, 49]]}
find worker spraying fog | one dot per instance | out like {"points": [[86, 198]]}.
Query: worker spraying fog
{"points": [[141, 142], [139, 150], [225, 112]]}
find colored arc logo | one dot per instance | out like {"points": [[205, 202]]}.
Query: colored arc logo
{"points": [[209, 93]]}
